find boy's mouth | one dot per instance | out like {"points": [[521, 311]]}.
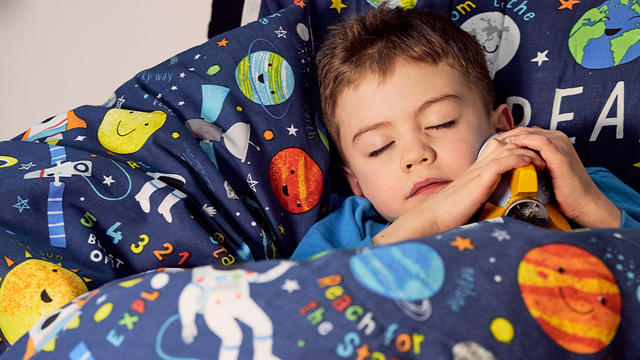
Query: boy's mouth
{"points": [[428, 185]]}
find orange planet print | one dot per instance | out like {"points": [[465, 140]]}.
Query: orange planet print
{"points": [[572, 295], [296, 180]]}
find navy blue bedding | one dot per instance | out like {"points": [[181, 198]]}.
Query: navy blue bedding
{"points": [[502, 289], [216, 161]]}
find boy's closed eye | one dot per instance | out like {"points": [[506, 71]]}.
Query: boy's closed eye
{"points": [[441, 126]]}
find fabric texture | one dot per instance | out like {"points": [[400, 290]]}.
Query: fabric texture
{"points": [[494, 290]]}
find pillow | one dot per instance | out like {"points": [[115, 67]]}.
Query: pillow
{"points": [[570, 66]]}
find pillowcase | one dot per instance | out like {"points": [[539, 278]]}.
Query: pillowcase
{"points": [[570, 66]]}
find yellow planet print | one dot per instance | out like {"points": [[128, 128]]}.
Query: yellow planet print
{"points": [[126, 131], [572, 295], [31, 290]]}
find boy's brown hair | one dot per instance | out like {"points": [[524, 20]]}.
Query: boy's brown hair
{"points": [[372, 42]]}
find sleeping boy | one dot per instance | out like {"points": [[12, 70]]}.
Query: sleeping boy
{"points": [[408, 100]]}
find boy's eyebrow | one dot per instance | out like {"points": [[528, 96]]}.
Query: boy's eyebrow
{"points": [[365, 129], [440, 98]]}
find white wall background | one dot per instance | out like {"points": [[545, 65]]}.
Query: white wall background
{"points": [[57, 55]]}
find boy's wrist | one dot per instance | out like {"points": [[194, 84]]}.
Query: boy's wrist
{"points": [[411, 225], [601, 213]]}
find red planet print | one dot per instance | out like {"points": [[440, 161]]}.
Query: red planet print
{"points": [[296, 180]]}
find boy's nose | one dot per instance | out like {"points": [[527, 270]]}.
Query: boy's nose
{"points": [[416, 155], [410, 164]]}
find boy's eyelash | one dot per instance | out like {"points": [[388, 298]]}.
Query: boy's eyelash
{"points": [[378, 152], [381, 150], [448, 124]]}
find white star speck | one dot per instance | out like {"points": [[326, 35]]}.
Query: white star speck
{"points": [[252, 183], [108, 180], [500, 235], [281, 32], [292, 130], [290, 286], [542, 57]]}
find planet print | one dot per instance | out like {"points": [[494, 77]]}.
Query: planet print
{"points": [[607, 35], [265, 78], [572, 295], [407, 271], [296, 180]]}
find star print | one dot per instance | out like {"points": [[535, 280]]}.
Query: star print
{"points": [[290, 286], [281, 32], [500, 235], [79, 138], [462, 243], [300, 3], [196, 57], [174, 88], [27, 166], [338, 5], [292, 130], [108, 180], [159, 96], [191, 69], [120, 102], [252, 183], [281, 229], [568, 4], [181, 75], [542, 57], [223, 42], [181, 103], [22, 204]]}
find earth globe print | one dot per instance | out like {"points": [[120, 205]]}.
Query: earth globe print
{"points": [[607, 35]]}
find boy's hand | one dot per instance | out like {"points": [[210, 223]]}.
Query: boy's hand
{"points": [[455, 204], [577, 195]]}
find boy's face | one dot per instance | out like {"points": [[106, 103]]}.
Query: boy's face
{"points": [[408, 137]]}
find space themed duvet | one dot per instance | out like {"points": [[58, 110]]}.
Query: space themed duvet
{"points": [[502, 289], [215, 161]]}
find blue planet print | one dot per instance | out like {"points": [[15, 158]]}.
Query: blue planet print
{"points": [[607, 35], [265, 78], [408, 271]]}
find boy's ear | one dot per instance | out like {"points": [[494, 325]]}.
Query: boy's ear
{"points": [[502, 119], [353, 181]]}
